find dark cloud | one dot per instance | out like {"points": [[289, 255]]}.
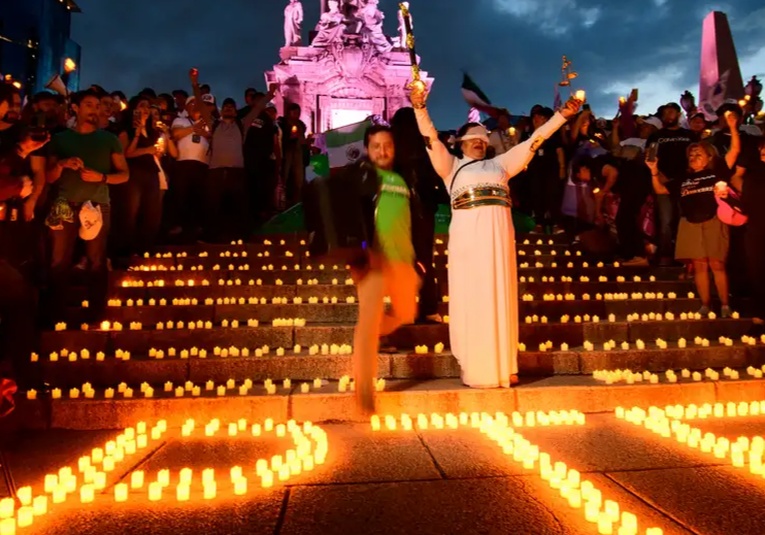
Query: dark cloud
{"points": [[512, 48]]}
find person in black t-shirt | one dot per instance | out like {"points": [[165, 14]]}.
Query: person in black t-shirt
{"points": [[546, 172], [673, 142], [701, 236]]}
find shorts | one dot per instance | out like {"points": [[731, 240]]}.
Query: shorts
{"points": [[698, 241]]}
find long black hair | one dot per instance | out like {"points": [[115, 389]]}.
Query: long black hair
{"points": [[412, 161], [127, 119]]}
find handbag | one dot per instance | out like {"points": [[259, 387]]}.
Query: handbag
{"points": [[730, 209]]}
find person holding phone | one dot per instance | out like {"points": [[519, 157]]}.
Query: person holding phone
{"points": [[702, 238]]}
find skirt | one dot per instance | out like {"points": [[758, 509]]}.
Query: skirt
{"points": [[698, 241]]}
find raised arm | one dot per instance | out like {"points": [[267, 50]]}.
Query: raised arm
{"points": [[440, 157], [260, 104], [735, 140], [517, 158]]}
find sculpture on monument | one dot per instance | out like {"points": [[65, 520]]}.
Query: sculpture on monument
{"points": [[330, 26], [401, 40], [349, 72], [372, 18], [293, 23]]}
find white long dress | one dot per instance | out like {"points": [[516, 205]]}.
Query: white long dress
{"points": [[483, 275]]}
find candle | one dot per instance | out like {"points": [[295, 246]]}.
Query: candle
{"points": [[7, 506], [155, 491], [121, 492], [40, 505], [87, 494]]}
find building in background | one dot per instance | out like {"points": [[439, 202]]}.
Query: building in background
{"points": [[35, 41]]}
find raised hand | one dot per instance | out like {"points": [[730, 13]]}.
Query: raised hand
{"points": [[571, 108]]}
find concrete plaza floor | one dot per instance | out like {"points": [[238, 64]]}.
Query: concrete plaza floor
{"points": [[417, 482]]}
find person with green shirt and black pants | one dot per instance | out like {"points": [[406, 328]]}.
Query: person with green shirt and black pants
{"points": [[389, 265], [82, 163]]}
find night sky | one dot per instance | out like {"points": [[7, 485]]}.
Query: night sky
{"points": [[511, 48]]}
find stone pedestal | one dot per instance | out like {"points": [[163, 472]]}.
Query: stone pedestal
{"points": [[343, 83]]}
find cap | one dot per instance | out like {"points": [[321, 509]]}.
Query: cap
{"points": [[190, 99], [229, 100], [208, 98], [654, 121]]}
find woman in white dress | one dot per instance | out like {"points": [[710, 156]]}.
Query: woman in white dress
{"points": [[483, 294]]}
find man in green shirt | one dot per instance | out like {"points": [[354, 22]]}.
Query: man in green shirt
{"points": [[82, 162], [389, 268]]}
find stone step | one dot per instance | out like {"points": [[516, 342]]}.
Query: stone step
{"points": [[291, 277], [348, 313], [538, 289], [304, 367], [400, 397], [301, 257], [573, 334]]}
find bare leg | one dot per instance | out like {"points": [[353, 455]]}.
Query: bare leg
{"points": [[371, 290], [721, 280], [402, 284], [701, 276]]}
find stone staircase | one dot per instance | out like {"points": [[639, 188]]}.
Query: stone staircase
{"points": [[241, 298]]}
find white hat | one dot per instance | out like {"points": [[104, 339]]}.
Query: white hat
{"points": [[207, 98], [91, 221], [475, 132]]}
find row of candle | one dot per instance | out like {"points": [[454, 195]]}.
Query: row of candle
{"points": [[669, 423], [475, 420], [648, 296], [311, 448], [222, 301], [640, 345], [553, 252], [604, 513], [67, 481], [630, 377], [189, 387], [232, 351]]}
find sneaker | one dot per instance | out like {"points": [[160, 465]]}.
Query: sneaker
{"points": [[704, 310], [637, 261], [726, 312]]}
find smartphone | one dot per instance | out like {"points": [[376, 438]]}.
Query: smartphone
{"points": [[634, 95], [196, 138], [652, 152]]}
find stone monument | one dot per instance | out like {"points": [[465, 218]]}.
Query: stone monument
{"points": [[350, 70], [720, 78]]}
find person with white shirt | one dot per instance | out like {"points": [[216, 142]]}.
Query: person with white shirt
{"points": [[192, 137]]}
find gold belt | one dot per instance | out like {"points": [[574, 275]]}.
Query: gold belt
{"points": [[482, 196]]}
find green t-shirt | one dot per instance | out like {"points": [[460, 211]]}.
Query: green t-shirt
{"points": [[393, 221], [95, 150]]}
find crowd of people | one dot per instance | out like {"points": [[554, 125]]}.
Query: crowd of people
{"points": [[90, 180]]}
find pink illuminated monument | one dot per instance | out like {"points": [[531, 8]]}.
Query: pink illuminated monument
{"points": [[720, 72], [348, 71]]}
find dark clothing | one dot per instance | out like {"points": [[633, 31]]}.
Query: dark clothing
{"points": [[753, 200], [187, 195], [227, 207], [138, 203], [545, 186], [673, 160], [9, 137], [633, 187], [18, 305], [696, 191], [62, 252], [749, 156]]}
